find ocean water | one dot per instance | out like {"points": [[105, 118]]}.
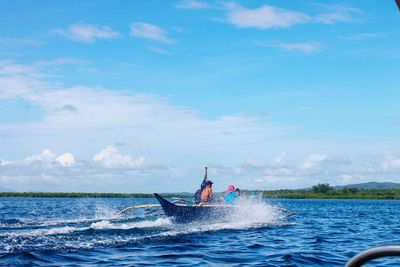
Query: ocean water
{"points": [[82, 232]]}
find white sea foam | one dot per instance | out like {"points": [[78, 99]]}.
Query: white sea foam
{"points": [[250, 212], [67, 221], [8, 249], [63, 230], [50, 222], [103, 211], [125, 226], [101, 225], [43, 232]]}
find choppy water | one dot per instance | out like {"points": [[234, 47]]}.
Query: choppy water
{"points": [[80, 232]]}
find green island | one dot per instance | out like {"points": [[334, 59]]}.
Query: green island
{"points": [[325, 191], [319, 191]]}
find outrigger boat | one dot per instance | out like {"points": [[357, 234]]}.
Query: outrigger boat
{"points": [[183, 211]]}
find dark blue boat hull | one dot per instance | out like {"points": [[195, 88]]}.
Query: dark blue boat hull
{"points": [[185, 214]]}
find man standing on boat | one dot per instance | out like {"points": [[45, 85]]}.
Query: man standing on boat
{"points": [[198, 196], [206, 195]]}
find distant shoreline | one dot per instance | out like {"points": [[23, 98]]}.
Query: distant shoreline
{"points": [[85, 195], [314, 193]]}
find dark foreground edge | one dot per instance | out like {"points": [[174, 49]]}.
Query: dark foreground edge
{"points": [[373, 253]]}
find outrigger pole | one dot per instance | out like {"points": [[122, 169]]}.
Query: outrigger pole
{"points": [[137, 207]]}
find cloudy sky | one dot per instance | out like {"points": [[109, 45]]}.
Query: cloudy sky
{"points": [[139, 96]]}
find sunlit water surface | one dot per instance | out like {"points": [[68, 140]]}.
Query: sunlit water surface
{"points": [[81, 232]]}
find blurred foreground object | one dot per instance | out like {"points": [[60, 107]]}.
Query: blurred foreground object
{"points": [[372, 254]]}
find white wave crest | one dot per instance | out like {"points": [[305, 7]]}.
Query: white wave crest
{"points": [[44, 232], [125, 226], [250, 212]]}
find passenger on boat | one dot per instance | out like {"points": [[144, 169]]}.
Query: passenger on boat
{"points": [[197, 195], [237, 191], [206, 195], [230, 194]]}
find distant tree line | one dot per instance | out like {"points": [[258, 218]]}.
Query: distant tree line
{"points": [[326, 191], [322, 191], [86, 195]]}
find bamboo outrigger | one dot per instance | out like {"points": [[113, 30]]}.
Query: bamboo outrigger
{"points": [[137, 207]]}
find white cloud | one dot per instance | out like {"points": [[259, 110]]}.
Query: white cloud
{"points": [[364, 36], [301, 47], [66, 160], [346, 179], [9, 68], [318, 168], [157, 50], [170, 136], [267, 16], [46, 156], [312, 161], [20, 42], [150, 32], [95, 113], [254, 163], [307, 48], [336, 13], [52, 65], [47, 171], [193, 4], [4, 162], [267, 179], [82, 108], [279, 159], [86, 33], [391, 164], [264, 17], [98, 116], [19, 80], [61, 61], [113, 171], [110, 157]]}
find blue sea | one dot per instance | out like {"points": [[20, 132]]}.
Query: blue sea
{"points": [[82, 232]]}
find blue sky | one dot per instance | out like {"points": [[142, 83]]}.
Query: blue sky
{"points": [[139, 96]]}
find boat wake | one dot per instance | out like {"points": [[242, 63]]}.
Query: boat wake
{"points": [[107, 224], [18, 235]]}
